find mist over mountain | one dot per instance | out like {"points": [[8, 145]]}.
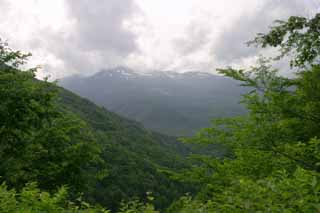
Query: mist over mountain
{"points": [[169, 102]]}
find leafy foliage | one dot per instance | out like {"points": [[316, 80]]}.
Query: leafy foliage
{"points": [[297, 36], [31, 199], [38, 142], [274, 159], [135, 206]]}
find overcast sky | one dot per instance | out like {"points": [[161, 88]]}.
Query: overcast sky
{"points": [[84, 36]]}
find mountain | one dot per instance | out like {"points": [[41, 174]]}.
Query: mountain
{"points": [[168, 102]]}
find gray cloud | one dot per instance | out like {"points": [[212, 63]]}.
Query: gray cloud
{"points": [[231, 44], [96, 37], [99, 25], [197, 37], [5, 6], [88, 35], [226, 45]]}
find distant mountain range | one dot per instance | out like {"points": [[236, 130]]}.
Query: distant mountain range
{"points": [[168, 102]]}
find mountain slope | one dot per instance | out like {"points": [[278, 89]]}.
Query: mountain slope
{"points": [[134, 156], [168, 102]]}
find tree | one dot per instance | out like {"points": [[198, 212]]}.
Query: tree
{"points": [[297, 37], [38, 142], [31, 199], [274, 165]]}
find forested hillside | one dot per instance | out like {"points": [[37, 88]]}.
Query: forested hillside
{"points": [[51, 138], [62, 153], [133, 155]]}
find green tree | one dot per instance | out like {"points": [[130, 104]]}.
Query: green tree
{"points": [[38, 142], [297, 37], [31, 199], [274, 160]]}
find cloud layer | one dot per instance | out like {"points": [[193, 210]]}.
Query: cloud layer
{"points": [[82, 36]]}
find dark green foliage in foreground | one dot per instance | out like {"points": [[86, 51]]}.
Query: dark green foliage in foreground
{"points": [[38, 142], [297, 37], [31, 199]]}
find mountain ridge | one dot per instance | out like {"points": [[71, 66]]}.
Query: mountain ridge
{"points": [[172, 103]]}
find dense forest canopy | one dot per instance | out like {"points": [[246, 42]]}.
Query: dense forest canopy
{"points": [[52, 151]]}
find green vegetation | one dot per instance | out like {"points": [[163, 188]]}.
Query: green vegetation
{"points": [[51, 140], [134, 156], [274, 159], [38, 142], [31, 199], [54, 138]]}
